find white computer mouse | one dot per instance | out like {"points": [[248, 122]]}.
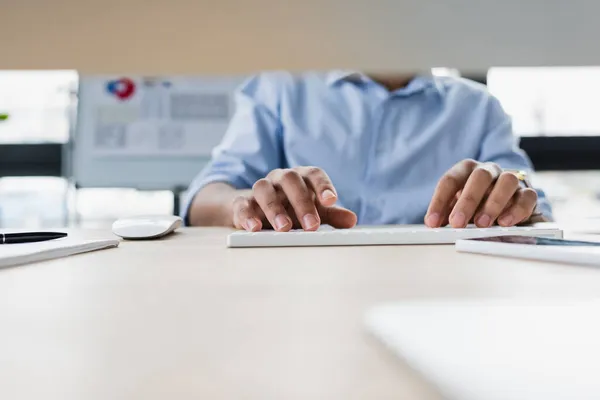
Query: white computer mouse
{"points": [[146, 227]]}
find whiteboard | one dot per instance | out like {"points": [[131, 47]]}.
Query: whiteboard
{"points": [[150, 133]]}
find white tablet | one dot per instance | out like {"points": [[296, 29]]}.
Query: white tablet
{"points": [[534, 248]]}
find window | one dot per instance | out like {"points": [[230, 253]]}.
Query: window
{"points": [[39, 105], [549, 101]]}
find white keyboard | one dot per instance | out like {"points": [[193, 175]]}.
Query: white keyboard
{"points": [[381, 235]]}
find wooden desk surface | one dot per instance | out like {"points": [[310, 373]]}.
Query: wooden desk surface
{"points": [[187, 318]]}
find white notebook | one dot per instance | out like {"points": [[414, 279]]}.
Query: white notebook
{"points": [[381, 235], [25, 253]]}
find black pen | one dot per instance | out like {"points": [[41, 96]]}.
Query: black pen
{"points": [[29, 237]]}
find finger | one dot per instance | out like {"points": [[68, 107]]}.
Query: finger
{"points": [[524, 203], [267, 199], [318, 181], [338, 217], [246, 215], [480, 180], [446, 189], [301, 198], [497, 200], [446, 221]]}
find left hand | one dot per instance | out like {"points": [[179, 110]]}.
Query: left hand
{"points": [[482, 193]]}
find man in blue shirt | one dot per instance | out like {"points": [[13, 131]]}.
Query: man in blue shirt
{"points": [[343, 148]]}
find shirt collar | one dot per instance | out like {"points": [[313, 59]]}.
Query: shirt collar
{"points": [[421, 81], [336, 77]]}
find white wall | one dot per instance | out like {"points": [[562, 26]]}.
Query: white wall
{"points": [[192, 36]]}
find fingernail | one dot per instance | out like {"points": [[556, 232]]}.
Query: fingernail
{"points": [[281, 221], [310, 221], [433, 219], [484, 220], [506, 220], [327, 194], [251, 224], [458, 219]]}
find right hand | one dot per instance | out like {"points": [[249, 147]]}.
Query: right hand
{"points": [[285, 199]]}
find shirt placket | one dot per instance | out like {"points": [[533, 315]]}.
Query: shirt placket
{"points": [[368, 207]]}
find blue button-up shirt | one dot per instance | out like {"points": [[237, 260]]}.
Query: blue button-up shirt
{"points": [[384, 151]]}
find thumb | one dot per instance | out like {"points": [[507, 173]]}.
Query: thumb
{"points": [[337, 217]]}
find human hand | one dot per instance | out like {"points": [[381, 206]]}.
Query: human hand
{"points": [[482, 193], [301, 197]]}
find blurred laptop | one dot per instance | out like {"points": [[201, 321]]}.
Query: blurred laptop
{"points": [[497, 350]]}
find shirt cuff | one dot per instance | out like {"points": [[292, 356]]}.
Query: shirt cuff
{"points": [[543, 206], [545, 209]]}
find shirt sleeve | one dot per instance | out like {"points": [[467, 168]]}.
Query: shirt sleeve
{"points": [[251, 146], [501, 146]]}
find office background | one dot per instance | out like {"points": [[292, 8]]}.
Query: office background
{"points": [[552, 109]]}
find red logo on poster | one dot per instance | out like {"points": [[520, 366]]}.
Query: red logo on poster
{"points": [[122, 88]]}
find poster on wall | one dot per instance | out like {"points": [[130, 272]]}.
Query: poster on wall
{"points": [[154, 116]]}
